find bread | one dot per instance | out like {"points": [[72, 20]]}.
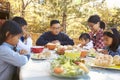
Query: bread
{"points": [[103, 60], [116, 60]]}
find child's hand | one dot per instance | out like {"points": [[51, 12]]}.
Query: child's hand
{"points": [[23, 51], [104, 51]]}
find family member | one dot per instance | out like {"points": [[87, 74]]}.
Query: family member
{"points": [[54, 35], [96, 33], [112, 42], [3, 17], [85, 41], [25, 41], [10, 57]]}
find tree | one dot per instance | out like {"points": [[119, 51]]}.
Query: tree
{"points": [[25, 3]]}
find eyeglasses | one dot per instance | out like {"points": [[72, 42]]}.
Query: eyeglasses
{"points": [[56, 28]]}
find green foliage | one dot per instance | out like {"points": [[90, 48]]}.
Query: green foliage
{"points": [[72, 13]]}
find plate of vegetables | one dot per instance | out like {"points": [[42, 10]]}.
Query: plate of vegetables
{"points": [[65, 67]]}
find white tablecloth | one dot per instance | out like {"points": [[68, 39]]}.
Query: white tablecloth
{"points": [[40, 70]]}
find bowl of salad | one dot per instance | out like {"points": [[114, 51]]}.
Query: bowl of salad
{"points": [[65, 67]]}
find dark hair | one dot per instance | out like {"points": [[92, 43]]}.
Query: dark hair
{"points": [[95, 19], [54, 22], [114, 34], [84, 36], [9, 26], [102, 25], [21, 21]]}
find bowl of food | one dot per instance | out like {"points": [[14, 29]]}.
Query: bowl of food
{"points": [[64, 67], [51, 46], [73, 54], [61, 50], [37, 49], [83, 54]]}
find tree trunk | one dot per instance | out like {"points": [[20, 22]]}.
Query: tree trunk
{"points": [[23, 13], [64, 17], [64, 22]]}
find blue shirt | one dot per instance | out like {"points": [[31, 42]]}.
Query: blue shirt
{"points": [[9, 60], [49, 37], [113, 53]]}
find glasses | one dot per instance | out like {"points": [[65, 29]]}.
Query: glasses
{"points": [[56, 28], [92, 26]]}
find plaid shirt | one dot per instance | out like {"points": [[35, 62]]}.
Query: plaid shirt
{"points": [[97, 39]]}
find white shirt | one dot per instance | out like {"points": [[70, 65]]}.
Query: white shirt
{"points": [[88, 46], [27, 44]]}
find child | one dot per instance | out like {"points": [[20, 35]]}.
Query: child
{"points": [[112, 42], [10, 33], [25, 41], [85, 41]]}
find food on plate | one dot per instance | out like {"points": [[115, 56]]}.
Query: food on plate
{"points": [[77, 62], [58, 70], [116, 60], [103, 60], [69, 47], [51, 46], [73, 54], [66, 67], [37, 49], [82, 66], [61, 50], [83, 54], [92, 52], [43, 55]]}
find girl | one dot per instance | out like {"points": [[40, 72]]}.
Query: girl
{"points": [[96, 33], [10, 33], [85, 41], [25, 41], [112, 42]]}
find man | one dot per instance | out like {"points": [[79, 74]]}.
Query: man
{"points": [[54, 36]]}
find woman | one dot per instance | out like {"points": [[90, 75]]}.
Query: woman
{"points": [[96, 33]]}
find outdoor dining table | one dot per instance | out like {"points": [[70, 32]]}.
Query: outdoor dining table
{"points": [[40, 70]]}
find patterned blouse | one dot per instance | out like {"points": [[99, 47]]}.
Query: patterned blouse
{"points": [[97, 39]]}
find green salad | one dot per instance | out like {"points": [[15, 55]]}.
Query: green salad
{"points": [[64, 66]]}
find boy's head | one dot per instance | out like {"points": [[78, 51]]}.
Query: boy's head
{"points": [[55, 27], [22, 22], [84, 38]]}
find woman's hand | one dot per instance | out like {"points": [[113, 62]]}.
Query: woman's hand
{"points": [[23, 52], [104, 51]]}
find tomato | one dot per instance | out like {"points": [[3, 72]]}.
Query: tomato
{"points": [[77, 62], [58, 70]]}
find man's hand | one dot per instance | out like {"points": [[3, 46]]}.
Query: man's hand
{"points": [[23, 51], [56, 42]]}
